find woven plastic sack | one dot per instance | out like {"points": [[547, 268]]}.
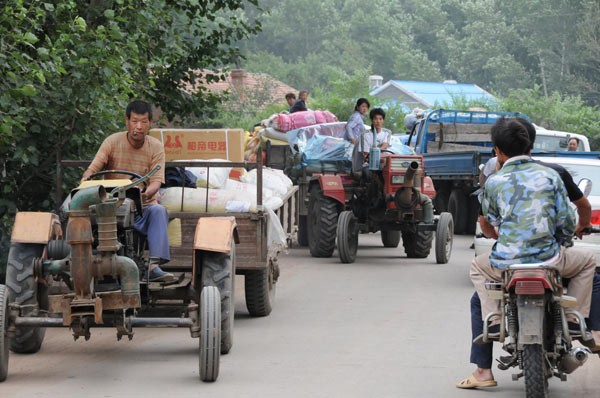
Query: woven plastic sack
{"points": [[233, 185], [218, 175], [271, 180], [194, 200], [174, 231]]}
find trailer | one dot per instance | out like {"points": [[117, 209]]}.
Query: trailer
{"points": [[253, 259]]}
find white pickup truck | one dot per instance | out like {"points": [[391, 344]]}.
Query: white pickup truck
{"points": [[552, 140]]}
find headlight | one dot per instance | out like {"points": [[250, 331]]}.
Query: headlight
{"points": [[398, 179]]}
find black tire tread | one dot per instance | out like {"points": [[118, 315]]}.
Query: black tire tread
{"points": [[22, 289], [302, 231], [417, 245], [258, 292], [4, 343], [346, 247], [536, 383], [323, 245], [441, 239], [210, 334], [390, 238], [458, 207], [218, 269]]}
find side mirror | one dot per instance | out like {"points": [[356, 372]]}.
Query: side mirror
{"points": [[564, 142], [585, 186]]}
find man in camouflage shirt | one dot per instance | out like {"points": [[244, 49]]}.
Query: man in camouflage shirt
{"points": [[528, 204]]}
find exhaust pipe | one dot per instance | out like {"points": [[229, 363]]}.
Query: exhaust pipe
{"points": [[574, 359], [405, 197]]}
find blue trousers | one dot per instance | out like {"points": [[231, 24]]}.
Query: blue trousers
{"points": [[153, 224], [482, 354]]}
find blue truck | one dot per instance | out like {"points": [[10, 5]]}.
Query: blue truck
{"points": [[454, 144]]}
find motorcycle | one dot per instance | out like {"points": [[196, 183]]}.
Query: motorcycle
{"points": [[534, 329]]}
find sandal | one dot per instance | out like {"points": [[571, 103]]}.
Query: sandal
{"points": [[472, 382]]}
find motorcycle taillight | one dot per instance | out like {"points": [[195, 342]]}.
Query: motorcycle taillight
{"points": [[529, 287]]}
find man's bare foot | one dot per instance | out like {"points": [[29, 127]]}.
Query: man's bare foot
{"points": [[596, 334], [483, 374], [478, 379]]}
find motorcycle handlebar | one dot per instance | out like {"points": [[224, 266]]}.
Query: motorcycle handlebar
{"points": [[591, 230]]}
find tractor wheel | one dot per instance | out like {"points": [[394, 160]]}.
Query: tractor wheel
{"points": [[347, 237], [444, 235], [218, 269], [322, 223], [24, 290], [210, 333], [440, 201], [302, 231], [534, 370], [390, 238], [472, 215], [3, 333], [458, 207], [260, 291], [417, 245]]}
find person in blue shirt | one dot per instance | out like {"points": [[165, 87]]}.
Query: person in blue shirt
{"points": [[355, 125], [528, 204]]}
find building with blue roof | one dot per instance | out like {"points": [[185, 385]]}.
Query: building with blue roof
{"points": [[413, 94]]}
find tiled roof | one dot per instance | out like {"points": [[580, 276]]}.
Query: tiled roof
{"points": [[250, 85]]}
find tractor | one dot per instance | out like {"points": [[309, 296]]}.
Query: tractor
{"points": [[391, 198], [94, 266]]}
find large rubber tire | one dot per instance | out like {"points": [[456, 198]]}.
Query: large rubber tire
{"points": [[440, 201], [260, 291], [472, 215], [303, 231], [444, 236], [322, 223], [24, 290], [3, 333], [458, 207], [218, 269], [534, 366], [390, 238], [417, 245], [347, 237], [210, 333]]}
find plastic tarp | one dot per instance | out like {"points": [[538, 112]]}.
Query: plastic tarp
{"points": [[322, 147]]}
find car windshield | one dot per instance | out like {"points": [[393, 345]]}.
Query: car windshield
{"points": [[552, 143], [579, 171]]}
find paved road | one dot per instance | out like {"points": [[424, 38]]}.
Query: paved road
{"points": [[385, 326]]}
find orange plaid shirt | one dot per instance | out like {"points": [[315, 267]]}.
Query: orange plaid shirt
{"points": [[116, 153]]}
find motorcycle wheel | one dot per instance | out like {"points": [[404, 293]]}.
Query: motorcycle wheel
{"points": [[534, 370]]}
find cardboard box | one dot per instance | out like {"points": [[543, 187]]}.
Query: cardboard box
{"points": [[187, 144]]}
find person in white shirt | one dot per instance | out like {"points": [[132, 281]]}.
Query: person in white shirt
{"points": [[382, 136]]}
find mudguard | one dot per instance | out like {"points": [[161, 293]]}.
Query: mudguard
{"points": [[35, 227], [214, 234], [332, 187], [531, 319]]}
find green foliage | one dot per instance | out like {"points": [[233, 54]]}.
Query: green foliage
{"points": [[68, 68], [556, 112], [498, 45]]}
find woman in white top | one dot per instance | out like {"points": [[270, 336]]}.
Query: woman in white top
{"points": [[382, 136]]}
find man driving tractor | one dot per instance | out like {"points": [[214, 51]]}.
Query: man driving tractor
{"points": [[136, 152]]}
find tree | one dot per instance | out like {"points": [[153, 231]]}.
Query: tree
{"points": [[69, 67], [556, 112]]}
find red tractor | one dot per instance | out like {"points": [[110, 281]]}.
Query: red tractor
{"points": [[394, 199]]}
